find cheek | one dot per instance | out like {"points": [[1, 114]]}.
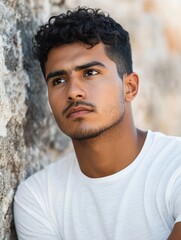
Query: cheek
{"points": [[109, 95], [55, 102], [50, 99]]}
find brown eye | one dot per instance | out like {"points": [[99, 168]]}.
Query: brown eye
{"points": [[90, 72], [58, 81]]}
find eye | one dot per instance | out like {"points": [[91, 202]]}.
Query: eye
{"points": [[90, 72], [58, 81]]}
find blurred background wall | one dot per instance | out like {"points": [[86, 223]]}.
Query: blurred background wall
{"points": [[29, 137]]}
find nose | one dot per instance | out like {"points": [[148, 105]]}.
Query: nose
{"points": [[75, 91]]}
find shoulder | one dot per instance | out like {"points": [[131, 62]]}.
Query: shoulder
{"points": [[164, 154], [162, 143], [158, 136], [57, 169], [53, 174], [36, 197]]}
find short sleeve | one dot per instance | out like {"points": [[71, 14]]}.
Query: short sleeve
{"points": [[31, 217], [174, 195]]}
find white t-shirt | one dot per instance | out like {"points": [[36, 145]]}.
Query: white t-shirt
{"points": [[142, 201]]}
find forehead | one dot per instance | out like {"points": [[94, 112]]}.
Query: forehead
{"points": [[69, 55]]}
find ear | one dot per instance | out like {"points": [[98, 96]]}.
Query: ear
{"points": [[131, 83]]}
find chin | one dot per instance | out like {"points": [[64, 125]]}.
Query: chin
{"points": [[83, 132]]}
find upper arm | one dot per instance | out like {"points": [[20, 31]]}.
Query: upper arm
{"points": [[176, 232], [31, 216], [175, 204]]}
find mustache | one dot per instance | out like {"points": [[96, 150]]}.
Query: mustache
{"points": [[76, 104]]}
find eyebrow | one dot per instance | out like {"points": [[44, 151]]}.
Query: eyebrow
{"points": [[77, 68]]}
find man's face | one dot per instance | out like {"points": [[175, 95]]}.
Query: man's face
{"points": [[85, 91]]}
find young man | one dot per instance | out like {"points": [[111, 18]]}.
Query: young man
{"points": [[121, 183]]}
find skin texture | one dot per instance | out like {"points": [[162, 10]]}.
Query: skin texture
{"points": [[92, 105], [92, 86]]}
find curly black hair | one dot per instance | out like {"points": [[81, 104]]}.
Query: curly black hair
{"points": [[89, 26]]}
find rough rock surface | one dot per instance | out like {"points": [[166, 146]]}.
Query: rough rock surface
{"points": [[29, 138]]}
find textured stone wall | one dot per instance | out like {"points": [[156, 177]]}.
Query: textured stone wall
{"points": [[29, 138]]}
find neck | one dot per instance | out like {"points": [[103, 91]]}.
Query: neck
{"points": [[110, 152]]}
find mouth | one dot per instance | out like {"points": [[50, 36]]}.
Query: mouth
{"points": [[78, 112]]}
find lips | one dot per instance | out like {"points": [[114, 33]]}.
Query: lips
{"points": [[78, 111]]}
